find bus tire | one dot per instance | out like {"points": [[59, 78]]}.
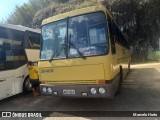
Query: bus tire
{"points": [[120, 81], [27, 86]]}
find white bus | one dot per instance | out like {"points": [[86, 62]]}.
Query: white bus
{"points": [[18, 44]]}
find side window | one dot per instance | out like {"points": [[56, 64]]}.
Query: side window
{"points": [[17, 38], [34, 41], [31, 40], [19, 57], [118, 36], [15, 58], [12, 55], [112, 37], [2, 57], [2, 53], [124, 41], [7, 56]]}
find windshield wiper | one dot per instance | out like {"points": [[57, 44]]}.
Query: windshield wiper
{"points": [[54, 54], [64, 46], [78, 51], [58, 51]]}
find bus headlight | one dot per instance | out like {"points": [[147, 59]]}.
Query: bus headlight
{"points": [[44, 89], [93, 90], [49, 90], [102, 90]]}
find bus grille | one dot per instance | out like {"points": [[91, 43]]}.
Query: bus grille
{"points": [[72, 82]]}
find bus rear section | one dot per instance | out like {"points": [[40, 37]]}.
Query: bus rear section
{"points": [[76, 58]]}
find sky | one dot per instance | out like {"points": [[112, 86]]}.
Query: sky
{"points": [[8, 6]]}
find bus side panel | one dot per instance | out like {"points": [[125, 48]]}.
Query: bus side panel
{"points": [[123, 58], [20, 75], [11, 81], [7, 87]]}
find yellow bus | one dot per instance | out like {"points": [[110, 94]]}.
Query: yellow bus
{"points": [[18, 44], [83, 54]]}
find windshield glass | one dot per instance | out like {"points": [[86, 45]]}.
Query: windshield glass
{"points": [[53, 38], [87, 36]]}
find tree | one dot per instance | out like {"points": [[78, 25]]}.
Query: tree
{"points": [[138, 19], [24, 14]]}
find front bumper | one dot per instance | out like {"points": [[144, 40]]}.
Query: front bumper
{"points": [[81, 91]]}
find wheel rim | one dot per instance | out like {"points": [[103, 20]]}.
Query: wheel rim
{"points": [[28, 85]]}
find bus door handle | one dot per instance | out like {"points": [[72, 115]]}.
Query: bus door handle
{"points": [[1, 80]]}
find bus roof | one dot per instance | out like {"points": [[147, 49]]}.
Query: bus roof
{"points": [[19, 28], [74, 13]]}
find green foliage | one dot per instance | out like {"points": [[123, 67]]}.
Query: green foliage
{"points": [[23, 15], [140, 19], [154, 56], [32, 13], [58, 8]]}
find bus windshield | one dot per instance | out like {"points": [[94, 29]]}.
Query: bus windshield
{"points": [[84, 34]]}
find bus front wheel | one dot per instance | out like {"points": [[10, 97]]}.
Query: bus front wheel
{"points": [[27, 86]]}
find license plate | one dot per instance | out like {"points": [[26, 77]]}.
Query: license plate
{"points": [[69, 92]]}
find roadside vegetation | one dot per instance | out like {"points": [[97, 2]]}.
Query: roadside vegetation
{"points": [[139, 20], [154, 56]]}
